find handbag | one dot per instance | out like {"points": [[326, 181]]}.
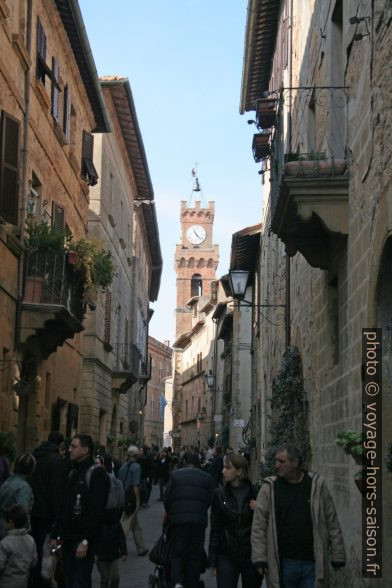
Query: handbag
{"points": [[160, 553]]}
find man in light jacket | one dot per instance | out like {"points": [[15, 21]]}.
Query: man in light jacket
{"points": [[295, 526]]}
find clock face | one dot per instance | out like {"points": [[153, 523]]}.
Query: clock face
{"points": [[196, 234]]}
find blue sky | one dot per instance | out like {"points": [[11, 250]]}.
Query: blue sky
{"points": [[183, 59]]}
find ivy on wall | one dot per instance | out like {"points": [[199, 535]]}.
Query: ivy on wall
{"points": [[288, 421]]}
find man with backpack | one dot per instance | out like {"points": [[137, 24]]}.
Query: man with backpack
{"points": [[84, 502], [130, 474]]}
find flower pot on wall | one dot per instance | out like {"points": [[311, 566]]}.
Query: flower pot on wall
{"points": [[33, 289]]}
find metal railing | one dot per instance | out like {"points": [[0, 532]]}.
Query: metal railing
{"points": [[311, 124], [127, 358], [50, 279]]}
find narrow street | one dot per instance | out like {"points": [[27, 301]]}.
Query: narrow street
{"points": [[135, 571]]}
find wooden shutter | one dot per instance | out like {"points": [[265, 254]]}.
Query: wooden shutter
{"points": [[108, 314], [41, 52], [88, 145], [9, 168], [89, 173], [55, 88], [57, 216], [66, 112]]}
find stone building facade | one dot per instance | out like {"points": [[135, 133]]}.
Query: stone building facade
{"points": [[50, 102], [114, 345], [326, 245], [155, 408]]}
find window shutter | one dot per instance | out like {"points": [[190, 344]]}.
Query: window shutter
{"points": [[88, 145], [66, 112], [9, 168], [108, 313], [55, 88], [41, 52], [89, 173], [57, 216]]}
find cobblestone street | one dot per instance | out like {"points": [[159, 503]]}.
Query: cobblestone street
{"points": [[135, 571]]}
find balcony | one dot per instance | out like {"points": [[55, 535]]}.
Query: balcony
{"points": [[311, 213], [309, 188], [127, 366], [266, 111], [52, 304], [261, 146]]}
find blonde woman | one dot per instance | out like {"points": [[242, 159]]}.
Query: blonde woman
{"points": [[231, 522]]}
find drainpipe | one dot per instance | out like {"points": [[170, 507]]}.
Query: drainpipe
{"points": [[289, 131], [25, 160]]}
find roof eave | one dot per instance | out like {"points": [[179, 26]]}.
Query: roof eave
{"points": [[259, 46], [72, 19]]}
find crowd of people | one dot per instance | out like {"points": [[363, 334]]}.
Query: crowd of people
{"points": [[64, 508]]}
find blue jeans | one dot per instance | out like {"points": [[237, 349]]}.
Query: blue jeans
{"points": [[77, 572], [228, 573], [298, 574]]}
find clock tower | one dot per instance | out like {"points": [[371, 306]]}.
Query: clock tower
{"points": [[196, 260]]}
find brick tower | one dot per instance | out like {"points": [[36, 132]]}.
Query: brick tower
{"points": [[196, 260]]}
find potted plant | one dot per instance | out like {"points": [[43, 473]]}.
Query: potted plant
{"points": [[42, 243], [351, 443]]}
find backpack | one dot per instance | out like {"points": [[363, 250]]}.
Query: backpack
{"points": [[115, 500]]}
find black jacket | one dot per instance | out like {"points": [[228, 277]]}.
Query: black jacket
{"points": [[188, 496], [231, 529], [47, 482], [87, 524], [111, 543]]}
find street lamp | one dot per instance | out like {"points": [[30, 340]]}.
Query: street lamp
{"points": [[235, 284], [210, 380], [238, 281]]}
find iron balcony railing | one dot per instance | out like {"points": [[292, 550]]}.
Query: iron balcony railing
{"points": [[50, 279], [127, 358], [311, 125]]}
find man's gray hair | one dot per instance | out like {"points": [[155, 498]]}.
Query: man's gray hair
{"points": [[293, 452]]}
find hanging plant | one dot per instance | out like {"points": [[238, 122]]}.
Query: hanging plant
{"points": [[288, 419], [351, 443], [95, 266]]}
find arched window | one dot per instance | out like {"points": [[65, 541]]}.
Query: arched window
{"points": [[196, 285]]}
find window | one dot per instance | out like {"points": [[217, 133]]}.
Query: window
{"points": [[42, 68], [57, 217], [66, 112], [41, 53], [89, 173], [9, 166], [55, 88], [196, 285], [108, 312]]}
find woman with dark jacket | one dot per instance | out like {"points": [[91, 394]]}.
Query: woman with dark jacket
{"points": [[231, 522]]}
